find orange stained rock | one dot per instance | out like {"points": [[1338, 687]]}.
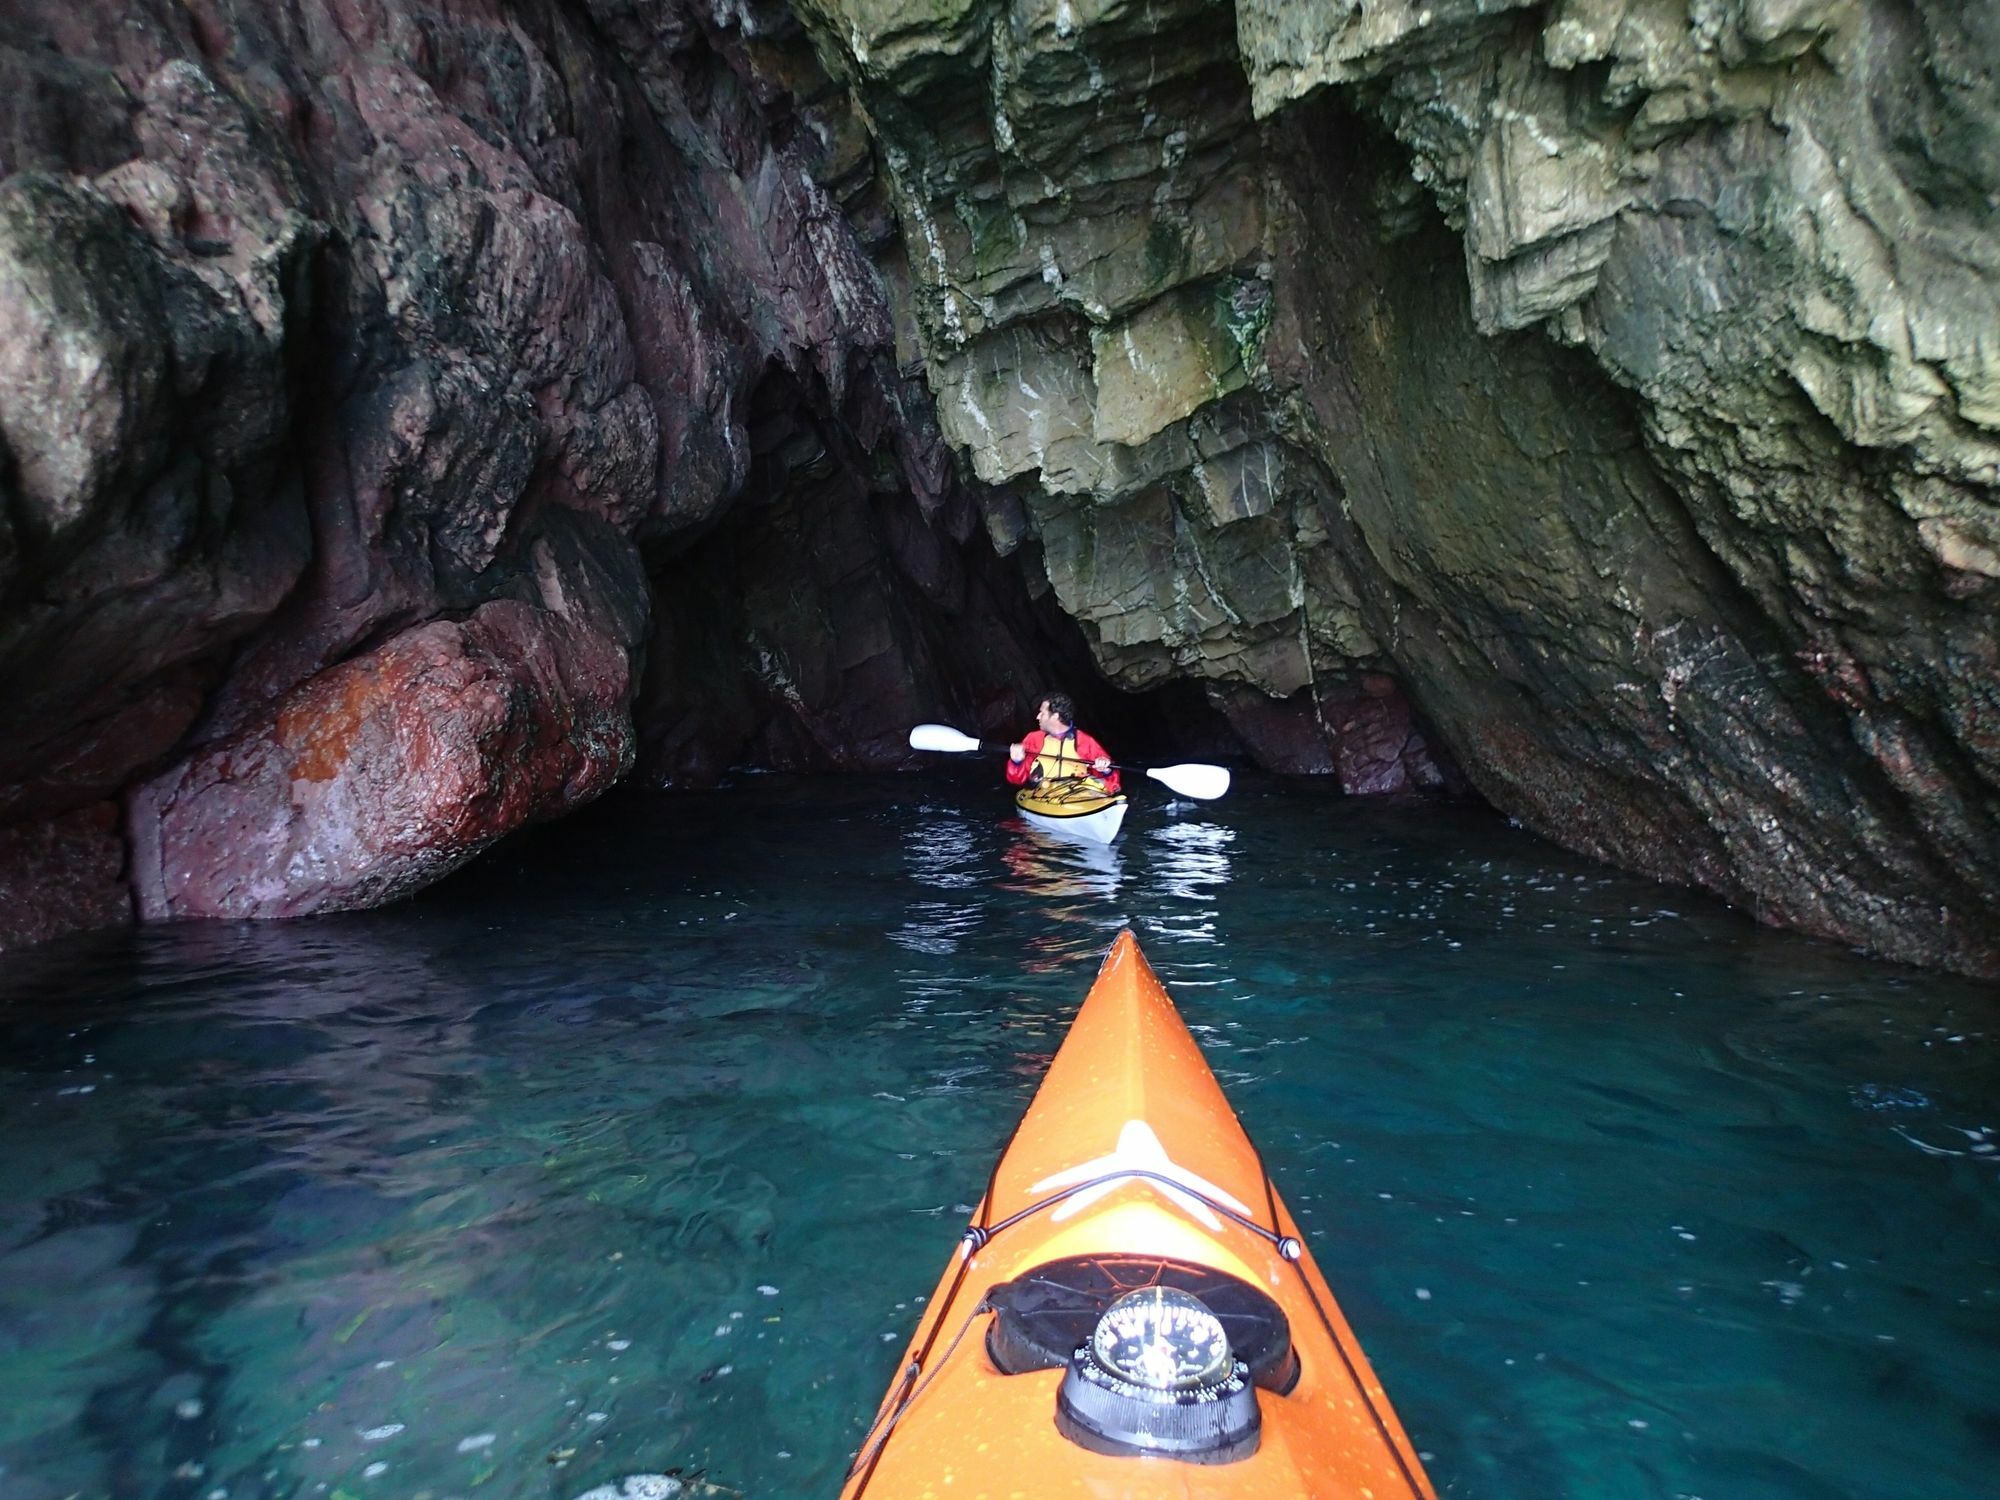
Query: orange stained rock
{"points": [[320, 723], [1129, 1088]]}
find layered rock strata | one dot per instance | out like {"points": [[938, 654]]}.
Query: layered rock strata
{"points": [[1615, 376], [1082, 196]]}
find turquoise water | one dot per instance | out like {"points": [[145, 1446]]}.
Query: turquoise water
{"points": [[632, 1149]]}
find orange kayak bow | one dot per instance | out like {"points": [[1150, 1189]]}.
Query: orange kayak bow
{"points": [[1133, 1312]]}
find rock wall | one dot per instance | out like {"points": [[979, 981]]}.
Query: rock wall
{"points": [[1613, 378], [1083, 198], [354, 356], [1775, 672], [414, 413]]}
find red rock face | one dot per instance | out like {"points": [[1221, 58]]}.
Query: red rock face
{"points": [[348, 354], [381, 774], [1377, 746], [1362, 729]]}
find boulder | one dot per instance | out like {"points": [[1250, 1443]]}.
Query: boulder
{"points": [[378, 775]]}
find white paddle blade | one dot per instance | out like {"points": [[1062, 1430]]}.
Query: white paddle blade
{"points": [[1199, 781], [941, 737]]}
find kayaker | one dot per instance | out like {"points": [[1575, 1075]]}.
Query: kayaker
{"points": [[1059, 749]]}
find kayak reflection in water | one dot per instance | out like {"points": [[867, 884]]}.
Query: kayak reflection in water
{"points": [[1073, 884], [1058, 750], [1060, 869]]}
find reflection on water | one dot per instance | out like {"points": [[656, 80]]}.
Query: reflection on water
{"points": [[1072, 885], [1191, 858], [1068, 872], [935, 926], [941, 849], [1191, 861], [941, 853], [635, 1148]]}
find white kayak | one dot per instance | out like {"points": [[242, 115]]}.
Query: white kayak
{"points": [[1074, 807]]}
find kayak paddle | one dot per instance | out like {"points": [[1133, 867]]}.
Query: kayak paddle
{"points": [[1203, 782]]}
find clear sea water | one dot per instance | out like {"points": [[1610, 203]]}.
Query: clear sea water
{"points": [[631, 1149]]}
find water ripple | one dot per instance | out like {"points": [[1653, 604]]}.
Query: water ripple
{"points": [[494, 1191]]}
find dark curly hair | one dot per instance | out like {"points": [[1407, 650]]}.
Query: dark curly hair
{"points": [[1060, 705]]}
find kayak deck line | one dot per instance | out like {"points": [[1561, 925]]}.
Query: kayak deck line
{"points": [[977, 1237], [1118, 1220], [1067, 797]]}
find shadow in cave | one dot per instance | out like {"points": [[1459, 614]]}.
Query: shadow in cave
{"points": [[831, 608]]}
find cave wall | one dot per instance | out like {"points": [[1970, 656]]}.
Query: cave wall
{"points": [[355, 357], [416, 414], [1613, 377], [1769, 226], [827, 614]]}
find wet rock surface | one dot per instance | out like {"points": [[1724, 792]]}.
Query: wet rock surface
{"points": [[1611, 376], [378, 775], [351, 356], [1593, 397]]}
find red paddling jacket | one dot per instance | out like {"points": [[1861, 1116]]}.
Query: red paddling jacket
{"points": [[1069, 755]]}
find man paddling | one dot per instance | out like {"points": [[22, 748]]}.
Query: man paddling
{"points": [[1058, 749]]}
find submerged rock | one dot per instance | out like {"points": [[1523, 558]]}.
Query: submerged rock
{"points": [[639, 1487]]}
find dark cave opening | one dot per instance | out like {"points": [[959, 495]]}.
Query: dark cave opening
{"points": [[829, 610]]}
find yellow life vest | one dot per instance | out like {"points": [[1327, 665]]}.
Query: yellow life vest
{"points": [[1058, 757]]}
